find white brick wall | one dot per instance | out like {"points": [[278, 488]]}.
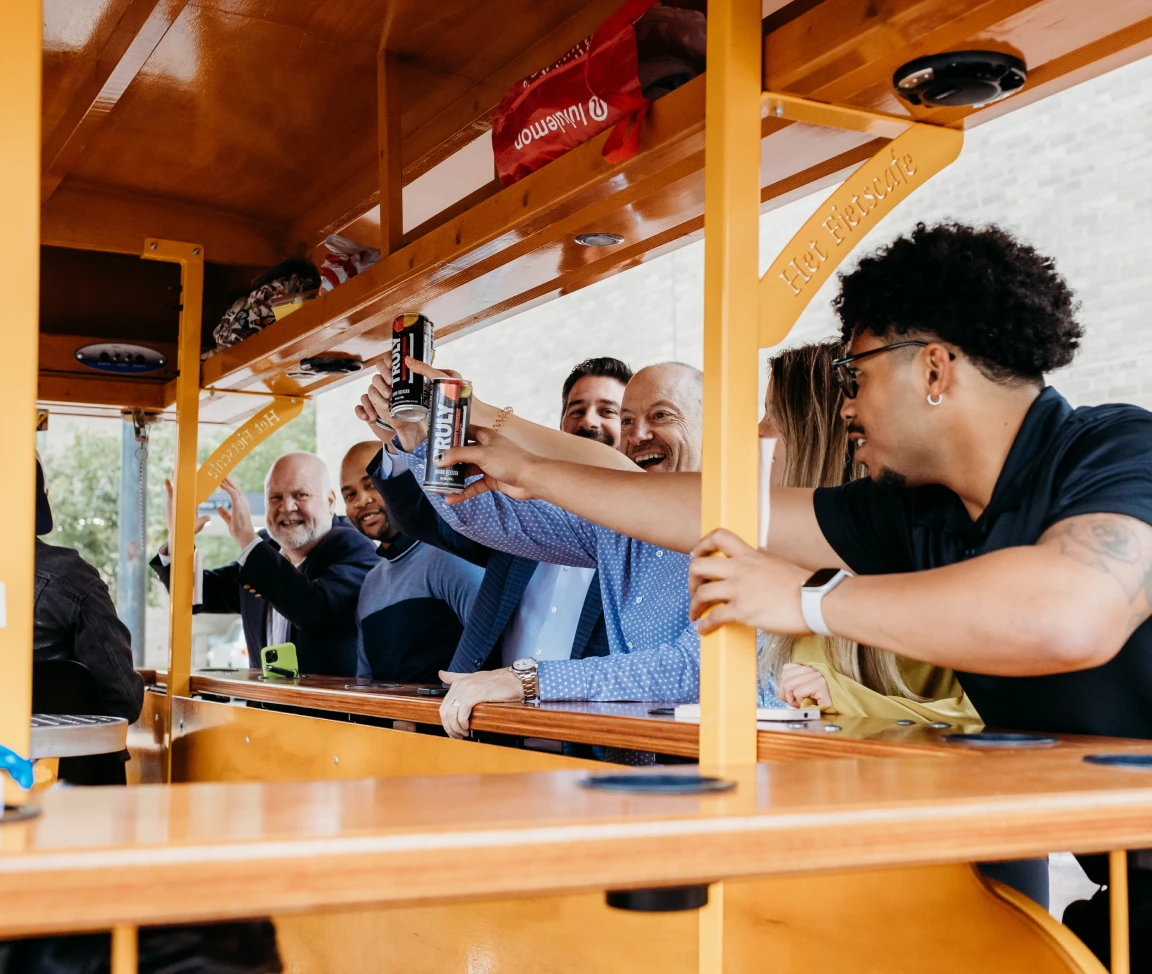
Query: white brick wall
{"points": [[1071, 174]]}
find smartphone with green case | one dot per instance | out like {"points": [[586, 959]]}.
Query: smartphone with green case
{"points": [[279, 660]]}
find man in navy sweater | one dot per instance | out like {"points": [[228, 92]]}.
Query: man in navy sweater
{"points": [[414, 603]]}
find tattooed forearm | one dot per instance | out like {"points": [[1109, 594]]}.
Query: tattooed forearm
{"points": [[1115, 545]]}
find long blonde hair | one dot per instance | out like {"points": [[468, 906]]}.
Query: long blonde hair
{"points": [[804, 401]]}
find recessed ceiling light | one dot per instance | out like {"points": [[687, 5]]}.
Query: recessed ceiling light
{"points": [[599, 239]]}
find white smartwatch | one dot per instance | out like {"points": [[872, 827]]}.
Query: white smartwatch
{"points": [[812, 593]]}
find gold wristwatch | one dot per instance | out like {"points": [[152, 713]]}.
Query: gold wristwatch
{"points": [[525, 670]]}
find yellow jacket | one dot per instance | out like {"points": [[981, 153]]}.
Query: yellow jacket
{"points": [[946, 699]]}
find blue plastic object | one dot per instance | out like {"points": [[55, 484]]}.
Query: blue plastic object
{"points": [[19, 768]]}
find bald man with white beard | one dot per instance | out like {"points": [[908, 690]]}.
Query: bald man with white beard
{"points": [[298, 580]]}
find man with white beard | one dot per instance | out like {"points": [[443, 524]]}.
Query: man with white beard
{"points": [[298, 581]]}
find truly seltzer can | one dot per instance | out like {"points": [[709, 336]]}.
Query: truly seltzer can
{"points": [[447, 427], [412, 335]]}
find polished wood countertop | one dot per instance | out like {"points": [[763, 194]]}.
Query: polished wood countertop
{"points": [[624, 725], [157, 854]]}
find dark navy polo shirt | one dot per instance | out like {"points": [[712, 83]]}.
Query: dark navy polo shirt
{"points": [[1063, 463]]}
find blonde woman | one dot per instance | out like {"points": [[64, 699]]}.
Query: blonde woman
{"points": [[802, 411]]}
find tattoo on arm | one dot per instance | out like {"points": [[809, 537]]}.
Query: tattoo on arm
{"points": [[1115, 545]]}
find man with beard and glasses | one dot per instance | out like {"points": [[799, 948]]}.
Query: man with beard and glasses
{"points": [[590, 405], [642, 588], [414, 603], [523, 607], [297, 581]]}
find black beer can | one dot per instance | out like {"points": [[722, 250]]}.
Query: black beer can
{"points": [[411, 335], [447, 427]]}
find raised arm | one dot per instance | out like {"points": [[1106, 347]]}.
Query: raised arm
{"points": [[660, 508], [540, 440], [413, 514], [1068, 602]]}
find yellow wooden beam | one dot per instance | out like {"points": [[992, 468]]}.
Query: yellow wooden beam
{"points": [[731, 239], [190, 257], [125, 949], [1118, 905], [20, 74], [795, 108], [729, 488]]}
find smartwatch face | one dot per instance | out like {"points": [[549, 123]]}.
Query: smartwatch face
{"points": [[821, 578]]}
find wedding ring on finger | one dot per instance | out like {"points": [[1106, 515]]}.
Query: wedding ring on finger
{"points": [[455, 703]]}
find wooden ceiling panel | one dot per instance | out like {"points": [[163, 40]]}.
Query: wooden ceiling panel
{"points": [[354, 23], [474, 39], [1048, 31], [247, 121], [75, 31]]}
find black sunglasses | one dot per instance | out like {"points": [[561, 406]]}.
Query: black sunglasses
{"points": [[846, 375]]}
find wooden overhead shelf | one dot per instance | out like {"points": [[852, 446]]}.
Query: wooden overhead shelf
{"points": [[500, 250], [509, 249]]}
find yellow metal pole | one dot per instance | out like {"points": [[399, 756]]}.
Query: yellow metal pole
{"points": [[20, 285], [731, 271], [1118, 903], [125, 949], [731, 239], [190, 257]]}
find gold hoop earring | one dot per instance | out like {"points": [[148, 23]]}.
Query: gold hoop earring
{"points": [[936, 402]]}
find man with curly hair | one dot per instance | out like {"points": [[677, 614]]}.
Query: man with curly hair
{"points": [[1000, 532]]}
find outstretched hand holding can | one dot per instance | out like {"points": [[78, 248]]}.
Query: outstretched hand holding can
{"points": [[375, 410]]}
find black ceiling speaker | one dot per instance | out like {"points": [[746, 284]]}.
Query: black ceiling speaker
{"points": [[321, 365], [960, 79]]}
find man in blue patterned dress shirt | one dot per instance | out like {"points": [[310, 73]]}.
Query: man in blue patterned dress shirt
{"points": [[654, 651]]}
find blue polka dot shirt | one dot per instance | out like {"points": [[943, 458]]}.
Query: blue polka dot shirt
{"points": [[655, 651]]}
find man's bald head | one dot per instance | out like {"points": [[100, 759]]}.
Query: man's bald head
{"points": [[661, 417], [300, 501], [356, 460]]}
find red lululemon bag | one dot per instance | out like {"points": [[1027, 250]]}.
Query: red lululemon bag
{"points": [[593, 87]]}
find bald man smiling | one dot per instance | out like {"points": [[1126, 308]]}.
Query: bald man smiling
{"points": [[297, 581]]}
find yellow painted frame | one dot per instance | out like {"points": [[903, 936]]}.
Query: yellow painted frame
{"points": [[283, 409], [190, 257], [916, 153], [20, 80]]}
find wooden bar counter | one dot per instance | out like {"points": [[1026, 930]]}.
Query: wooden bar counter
{"points": [[621, 725], [154, 854]]}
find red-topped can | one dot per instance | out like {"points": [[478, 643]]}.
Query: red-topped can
{"points": [[447, 427], [412, 335]]}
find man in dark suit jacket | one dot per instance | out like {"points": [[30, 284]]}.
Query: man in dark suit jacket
{"points": [[299, 580]]}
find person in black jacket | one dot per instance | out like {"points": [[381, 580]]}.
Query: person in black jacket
{"points": [[74, 619], [299, 580]]}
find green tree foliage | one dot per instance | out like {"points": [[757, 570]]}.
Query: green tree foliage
{"points": [[82, 467], [83, 478]]}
